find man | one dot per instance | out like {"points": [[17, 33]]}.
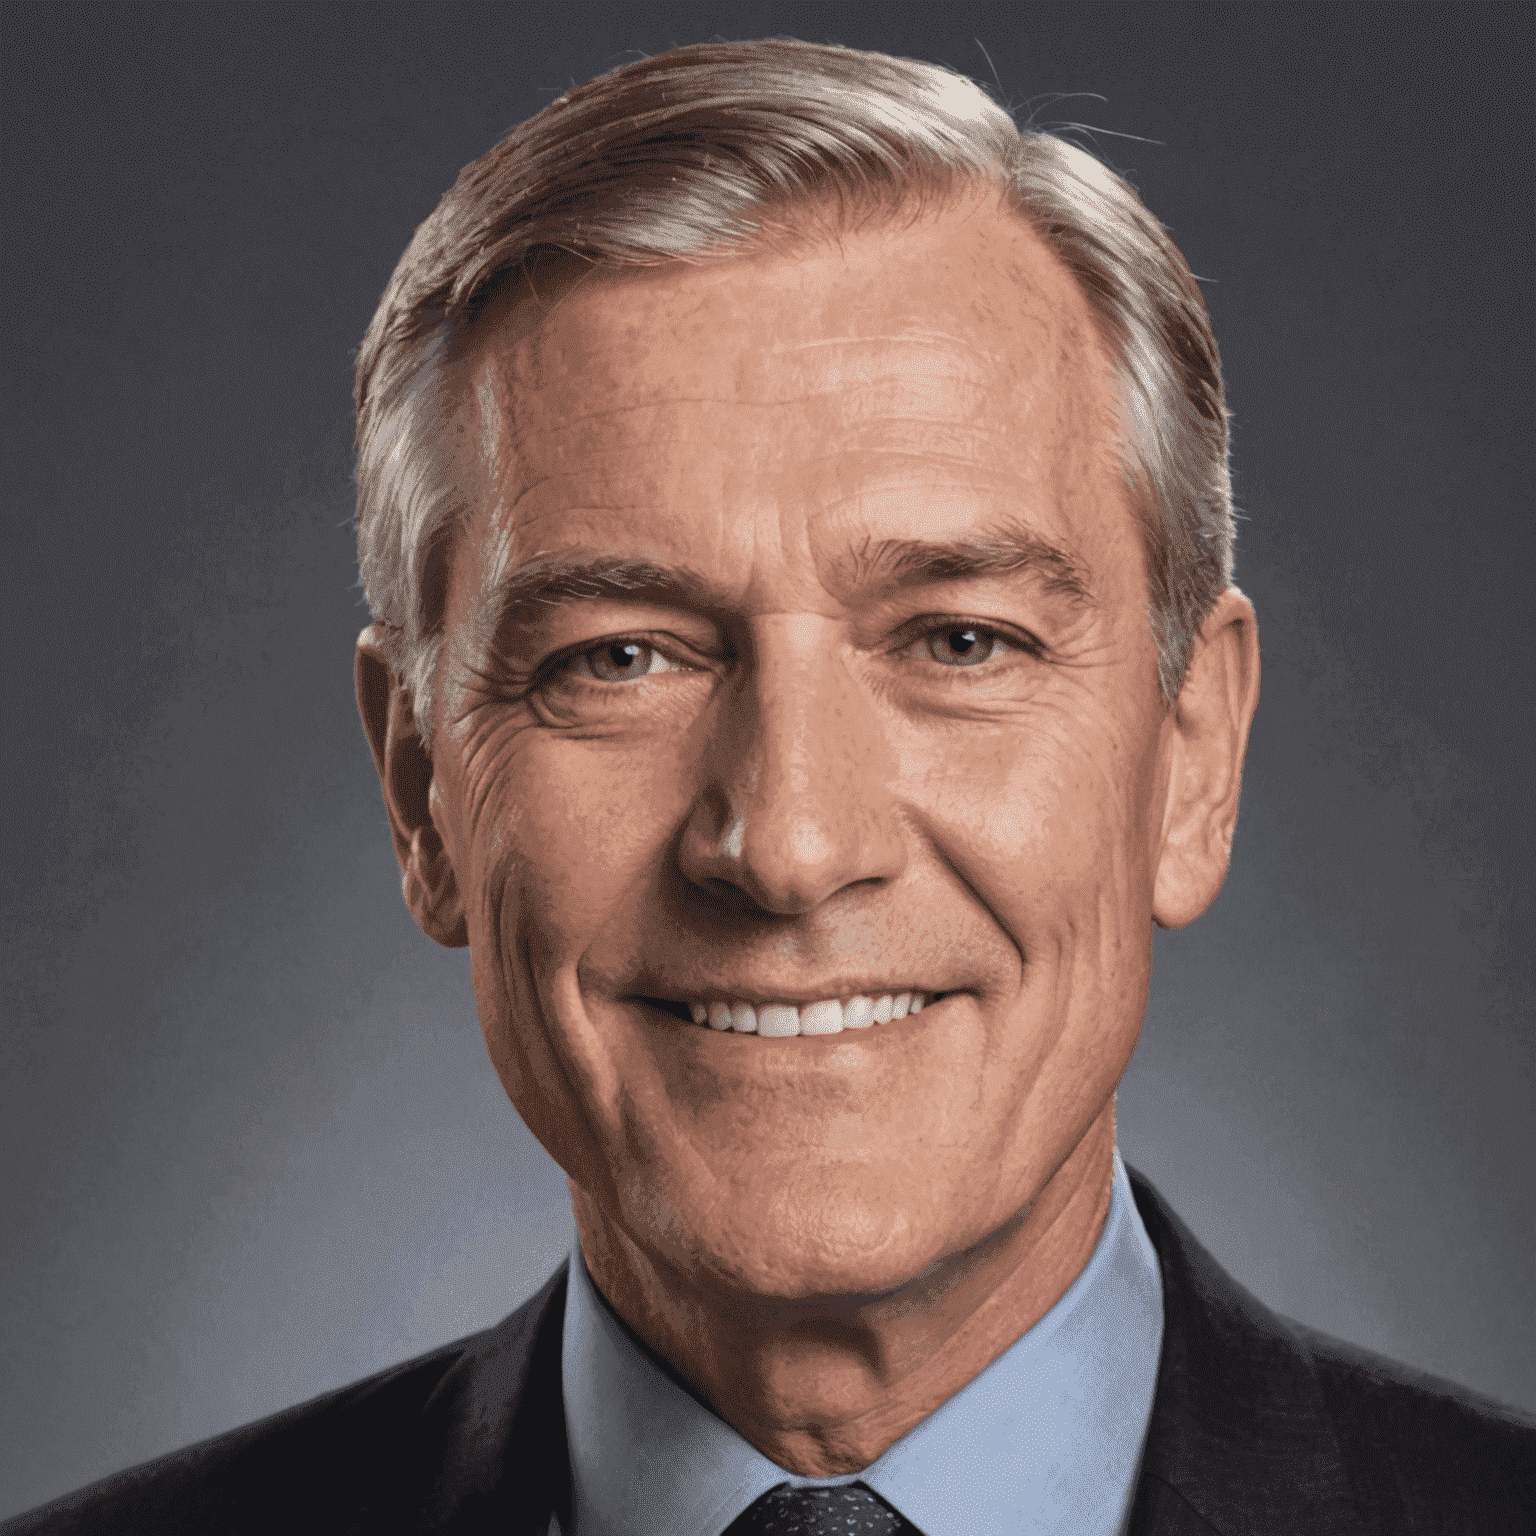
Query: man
{"points": [[805, 664]]}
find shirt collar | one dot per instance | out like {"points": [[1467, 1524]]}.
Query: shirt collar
{"points": [[1047, 1438]]}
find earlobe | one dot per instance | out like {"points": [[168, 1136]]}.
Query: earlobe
{"points": [[431, 890], [1206, 740], [427, 878]]}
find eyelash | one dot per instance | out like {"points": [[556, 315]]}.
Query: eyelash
{"points": [[562, 663], [926, 628], [931, 625]]}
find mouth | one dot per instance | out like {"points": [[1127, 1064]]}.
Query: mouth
{"points": [[780, 1020]]}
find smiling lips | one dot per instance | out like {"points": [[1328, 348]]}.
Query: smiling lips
{"points": [[824, 1018]]}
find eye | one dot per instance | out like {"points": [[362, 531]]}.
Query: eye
{"points": [[964, 645], [622, 661]]}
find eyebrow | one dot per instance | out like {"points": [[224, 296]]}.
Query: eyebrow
{"points": [[1008, 549], [558, 579], [555, 580]]}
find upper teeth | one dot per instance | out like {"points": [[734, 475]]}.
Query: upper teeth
{"points": [[824, 1018]]}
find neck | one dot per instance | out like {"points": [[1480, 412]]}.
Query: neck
{"points": [[823, 1387]]}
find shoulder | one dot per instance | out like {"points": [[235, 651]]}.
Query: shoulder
{"points": [[1261, 1424], [1423, 1446], [268, 1473], [396, 1451]]}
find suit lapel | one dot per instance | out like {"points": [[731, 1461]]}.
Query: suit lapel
{"points": [[1240, 1442], [500, 1422]]}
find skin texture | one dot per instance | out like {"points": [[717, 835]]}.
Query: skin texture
{"points": [[798, 794]]}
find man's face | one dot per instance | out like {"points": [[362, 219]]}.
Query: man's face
{"points": [[798, 651]]}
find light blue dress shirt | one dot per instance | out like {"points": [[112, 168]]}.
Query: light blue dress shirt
{"points": [[1047, 1438]]}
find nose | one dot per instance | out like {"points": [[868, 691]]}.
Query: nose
{"points": [[798, 804]]}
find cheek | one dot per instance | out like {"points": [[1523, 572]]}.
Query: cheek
{"points": [[566, 832], [1045, 815], [561, 840]]}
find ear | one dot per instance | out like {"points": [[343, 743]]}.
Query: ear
{"points": [[1207, 737], [427, 879]]}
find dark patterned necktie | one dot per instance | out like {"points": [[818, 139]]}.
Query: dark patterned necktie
{"points": [[852, 1510]]}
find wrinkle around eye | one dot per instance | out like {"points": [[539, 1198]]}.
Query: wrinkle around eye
{"points": [[499, 679], [484, 751], [675, 686], [913, 682]]}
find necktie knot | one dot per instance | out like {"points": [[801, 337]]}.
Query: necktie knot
{"points": [[852, 1510]]}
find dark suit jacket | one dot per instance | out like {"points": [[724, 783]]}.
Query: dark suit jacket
{"points": [[1259, 1428]]}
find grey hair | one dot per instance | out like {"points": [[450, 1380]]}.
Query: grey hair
{"points": [[713, 149]]}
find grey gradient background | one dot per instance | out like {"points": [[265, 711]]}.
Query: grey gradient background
{"points": [[252, 1145]]}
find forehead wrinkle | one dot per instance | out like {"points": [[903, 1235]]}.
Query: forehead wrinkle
{"points": [[530, 436], [867, 400], [539, 372], [855, 431], [917, 338], [729, 378], [935, 481], [948, 458], [918, 482], [898, 362]]}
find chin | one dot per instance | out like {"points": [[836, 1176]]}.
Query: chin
{"points": [[836, 1232]]}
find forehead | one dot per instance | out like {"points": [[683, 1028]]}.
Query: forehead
{"points": [[858, 388]]}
